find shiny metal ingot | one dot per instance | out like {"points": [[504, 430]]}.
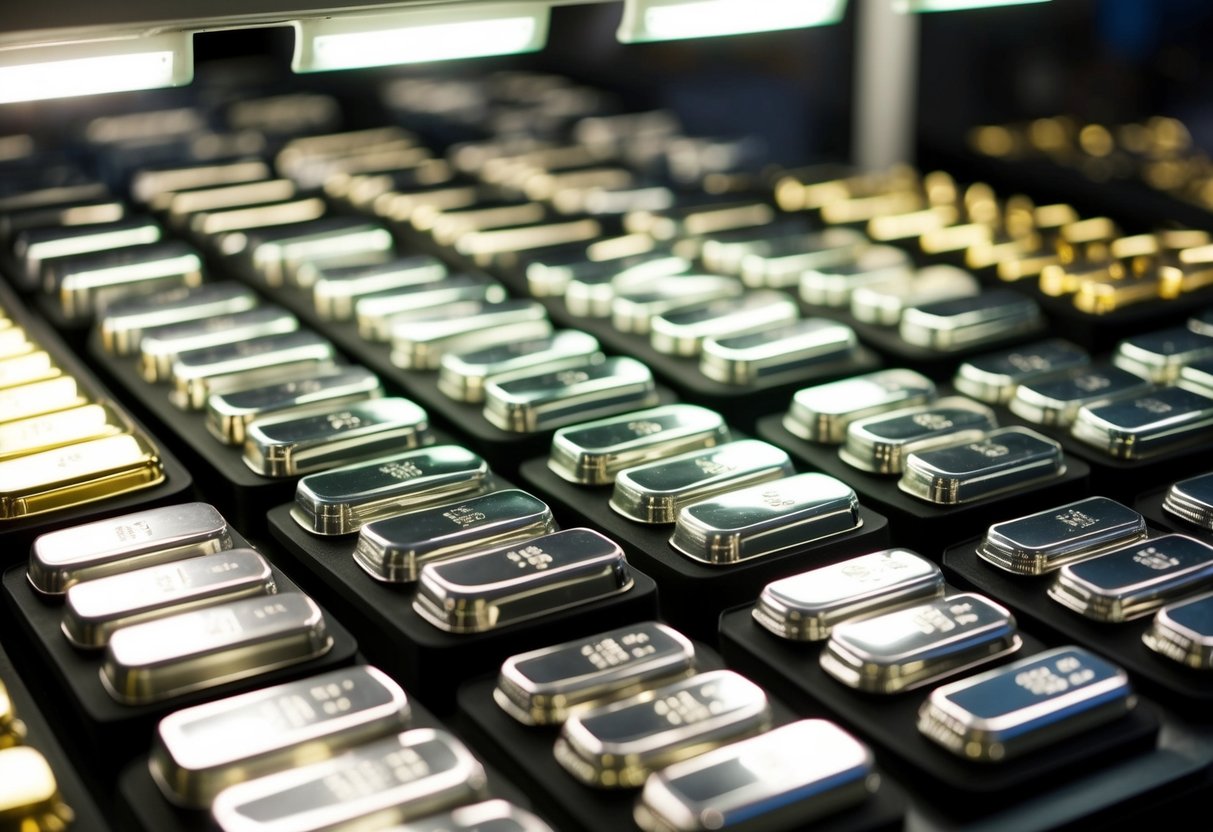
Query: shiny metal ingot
{"points": [[968, 322], [619, 744], [199, 751], [833, 284], [124, 322], [343, 500], [643, 298], [530, 401], [883, 302], [1003, 460], [589, 290], [1100, 297], [1159, 356], [546, 686], [995, 377], [1197, 376], [194, 650], [683, 331], [1192, 500], [1136, 580], [87, 284], [29, 793], [496, 815], [781, 263], [1056, 400], [160, 346], [822, 413], [759, 520], [655, 492], [152, 186], [372, 786], [1183, 632], [1026, 706], [795, 774], [289, 444], [916, 646], [228, 414], [27, 369], [94, 610], [279, 261], [336, 289], [463, 374], [418, 343], [70, 214], [807, 606], [153, 536], [1155, 422], [497, 587], [12, 729], [785, 348], [880, 444], [451, 296], [78, 473], [724, 252], [593, 453], [40, 246], [181, 206], [1048, 540], [395, 549]]}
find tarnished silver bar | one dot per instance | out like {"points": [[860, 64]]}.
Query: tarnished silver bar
{"points": [[1135, 580], [337, 289], [530, 401], [1050, 539], [199, 751], [683, 331], [792, 775], [909, 648], [619, 744], [1027, 705], [378, 312], [125, 321], [761, 519], [1152, 423], [655, 492], [786, 348], [1183, 632], [822, 413], [593, 453], [386, 781], [289, 444], [95, 609], [419, 342], [1004, 459], [394, 549], [228, 414], [995, 377], [84, 552], [463, 375], [546, 686], [161, 345], [968, 322], [189, 651], [807, 606], [343, 500]]}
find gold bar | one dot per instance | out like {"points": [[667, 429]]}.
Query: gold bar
{"points": [[1058, 280], [64, 427], [1176, 280], [40, 397], [29, 794], [1098, 297], [28, 368], [12, 730]]}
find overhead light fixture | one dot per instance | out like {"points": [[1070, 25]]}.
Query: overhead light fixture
{"points": [[419, 35], [911, 6], [60, 70], [654, 20]]}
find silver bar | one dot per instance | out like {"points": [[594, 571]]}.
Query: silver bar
{"points": [[419, 342], [71, 214], [36, 247], [880, 444], [784, 349], [89, 283], [1003, 460], [1156, 422], [551, 277], [969, 322], [343, 500], [463, 375], [1159, 356], [823, 412], [278, 260], [386, 781], [995, 377], [713, 216], [228, 414], [619, 744], [93, 610], [420, 206], [500, 246], [916, 646], [395, 549], [1048, 540], [126, 320], [288, 444], [181, 206], [1027, 705], [489, 816], [807, 606], [656, 491], [529, 401], [149, 185], [199, 751], [336, 290], [590, 291], [832, 283], [1181, 631], [642, 299], [758, 520], [233, 226], [241, 364], [93, 550], [55, 195], [884, 302], [593, 453], [191, 651], [546, 686], [1192, 500], [683, 331], [1135, 580], [378, 312], [1057, 400], [160, 346], [448, 226], [493, 588], [798, 773], [730, 251], [1197, 376]]}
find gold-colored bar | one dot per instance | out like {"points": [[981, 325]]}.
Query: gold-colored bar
{"points": [[29, 794], [1058, 280], [1096, 297], [63, 427]]}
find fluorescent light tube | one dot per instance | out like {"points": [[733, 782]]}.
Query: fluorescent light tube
{"points": [[651, 20], [908, 6], [60, 70], [419, 35]]}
